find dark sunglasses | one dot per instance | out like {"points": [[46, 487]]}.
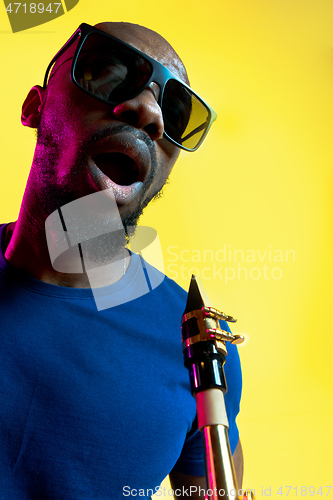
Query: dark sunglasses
{"points": [[113, 72]]}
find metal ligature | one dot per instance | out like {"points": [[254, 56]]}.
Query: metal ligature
{"points": [[204, 350]]}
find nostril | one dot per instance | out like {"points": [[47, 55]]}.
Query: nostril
{"points": [[152, 130]]}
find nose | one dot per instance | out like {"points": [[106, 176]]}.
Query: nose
{"points": [[142, 112]]}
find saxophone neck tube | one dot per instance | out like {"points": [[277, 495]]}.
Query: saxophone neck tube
{"points": [[221, 476]]}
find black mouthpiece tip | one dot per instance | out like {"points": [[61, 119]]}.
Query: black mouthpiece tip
{"points": [[194, 298]]}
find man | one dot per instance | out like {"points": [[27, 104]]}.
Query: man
{"points": [[95, 402]]}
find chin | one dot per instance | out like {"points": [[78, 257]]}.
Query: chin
{"points": [[131, 213]]}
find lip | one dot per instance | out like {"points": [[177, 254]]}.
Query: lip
{"points": [[136, 150]]}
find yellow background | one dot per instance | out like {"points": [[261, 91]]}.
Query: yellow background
{"points": [[262, 181]]}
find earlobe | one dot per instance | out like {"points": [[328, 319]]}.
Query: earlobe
{"points": [[31, 109]]}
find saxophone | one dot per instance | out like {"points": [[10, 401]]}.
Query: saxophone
{"points": [[204, 350]]}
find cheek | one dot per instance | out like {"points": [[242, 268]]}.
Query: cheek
{"points": [[64, 100], [168, 153], [55, 120], [66, 113], [165, 163]]}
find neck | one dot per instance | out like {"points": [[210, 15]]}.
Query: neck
{"points": [[96, 263]]}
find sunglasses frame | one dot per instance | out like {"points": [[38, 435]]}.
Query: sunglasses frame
{"points": [[160, 75]]}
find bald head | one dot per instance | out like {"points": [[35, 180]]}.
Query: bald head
{"points": [[149, 42]]}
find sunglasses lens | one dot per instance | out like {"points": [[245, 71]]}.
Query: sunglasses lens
{"points": [[186, 118], [114, 73], [109, 70]]}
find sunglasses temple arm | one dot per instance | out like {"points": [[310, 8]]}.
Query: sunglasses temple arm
{"points": [[60, 53]]}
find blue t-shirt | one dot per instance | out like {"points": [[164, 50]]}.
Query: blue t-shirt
{"points": [[95, 401]]}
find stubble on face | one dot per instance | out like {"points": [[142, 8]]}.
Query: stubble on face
{"points": [[61, 156], [54, 195], [105, 248]]}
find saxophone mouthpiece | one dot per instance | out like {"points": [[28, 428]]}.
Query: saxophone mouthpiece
{"points": [[197, 297]]}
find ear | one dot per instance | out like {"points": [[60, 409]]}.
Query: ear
{"points": [[32, 106]]}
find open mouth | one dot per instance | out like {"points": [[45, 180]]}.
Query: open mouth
{"points": [[121, 162], [118, 167]]}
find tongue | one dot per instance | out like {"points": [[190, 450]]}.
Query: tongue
{"points": [[118, 167]]}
